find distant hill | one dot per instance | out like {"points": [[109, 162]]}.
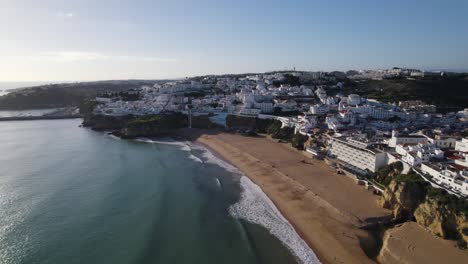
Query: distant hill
{"points": [[447, 93], [63, 95]]}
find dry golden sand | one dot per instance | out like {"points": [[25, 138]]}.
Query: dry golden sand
{"points": [[326, 209], [411, 243]]}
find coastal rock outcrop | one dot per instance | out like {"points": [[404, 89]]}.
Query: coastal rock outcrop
{"points": [[403, 198], [144, 126], [444, 214], [105, 122], [441, 219], [411, 243]]}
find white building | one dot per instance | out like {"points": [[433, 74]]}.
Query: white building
{"points": [[415, 154], [264, 107], [404, 139], [358, 154], [443, 142], [249, 111], [448, 176], [321, 93], [319, 109], [380, 113], [333, 123], [354, 99], [103, 100], [462, 145]]}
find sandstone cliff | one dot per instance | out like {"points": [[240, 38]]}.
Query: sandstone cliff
{"points": [[442, 220], [403, 198], [410, 198]]}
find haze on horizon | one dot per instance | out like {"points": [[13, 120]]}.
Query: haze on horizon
{"points": [[56, 40]]}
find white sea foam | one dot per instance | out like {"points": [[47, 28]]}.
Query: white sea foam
{"points": [[255, 207], [212, 159], [115, 137], [185, 146], [218, 183], [195, 158]]}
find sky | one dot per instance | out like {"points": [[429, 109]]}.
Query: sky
{"points": [[80, 40]]}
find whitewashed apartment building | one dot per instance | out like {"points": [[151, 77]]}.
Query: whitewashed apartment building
{"points": [[357, 154], [448, 175]]}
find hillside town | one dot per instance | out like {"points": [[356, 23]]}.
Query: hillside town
{"points": [[359, 135]]}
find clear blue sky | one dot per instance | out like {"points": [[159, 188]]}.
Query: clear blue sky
{"points": [[56, 40]]}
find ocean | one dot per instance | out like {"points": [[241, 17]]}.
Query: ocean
{"points": [[72, 195]]}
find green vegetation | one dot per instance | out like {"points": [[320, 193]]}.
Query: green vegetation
{"points": [[450, 201], [65, 95], [235, 121], [87, 106], [446, 93], [264, 125], [196, 94], [461, 243], [285, 133], [387, 173], [271, 127], [125, 96], [298, 141], [288, 80], [411, 178], [167, 121], [465, 231], [429, 206], [204, 122]]}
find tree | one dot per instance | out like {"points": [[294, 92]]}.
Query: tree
{"points": [[298, 141]]}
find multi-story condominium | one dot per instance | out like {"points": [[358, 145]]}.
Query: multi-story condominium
{"points": [[358, 154], [381, 114], [264, 107]]}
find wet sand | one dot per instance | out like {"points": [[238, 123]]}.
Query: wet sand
{"points": [[326, 209]]}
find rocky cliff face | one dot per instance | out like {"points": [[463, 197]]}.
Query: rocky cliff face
{"points": [[101, 122], [402, 198], [144, 126], [441, 214], [143, 131], [441, 220]]}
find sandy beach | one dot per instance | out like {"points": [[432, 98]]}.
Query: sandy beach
{"points": [[411, 243], [328, 210]]}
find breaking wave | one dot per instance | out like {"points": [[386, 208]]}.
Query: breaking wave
{"points": [[185, 146], [253, 206]]}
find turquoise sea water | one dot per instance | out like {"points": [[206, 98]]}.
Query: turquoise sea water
{"points": [[72, 195]]}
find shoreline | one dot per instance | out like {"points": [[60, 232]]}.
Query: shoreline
{"points": [[312, 217], [332, 232]]}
